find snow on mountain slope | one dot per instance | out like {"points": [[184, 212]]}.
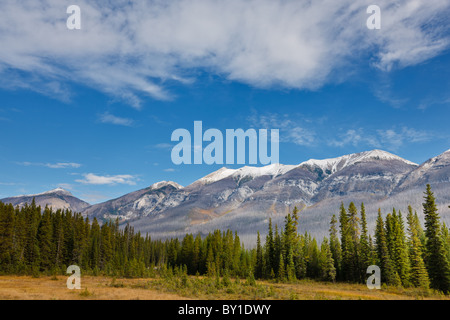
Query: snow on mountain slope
{"points": [[135, 204], [57, 199], [335, 164], [273, 170], [434, 171], [161, 184], [60, 191]]}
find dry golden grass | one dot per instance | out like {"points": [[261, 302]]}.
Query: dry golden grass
{"points": [[92, 288], [105, 288]]}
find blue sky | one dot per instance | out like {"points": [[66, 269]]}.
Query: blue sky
{"points": [[93, 110]]}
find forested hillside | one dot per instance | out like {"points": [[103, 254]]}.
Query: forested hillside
{"points": [[34, 242]]}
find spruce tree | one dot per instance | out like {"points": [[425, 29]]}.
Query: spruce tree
{"points": [[45, 238], [326, 262], [400, 256], [335, 246], [270, 251], [388, 274], [365, 251], [6, 237], [281, 275], [436, 260], [418, 275], [259, 266], [346, 245]]}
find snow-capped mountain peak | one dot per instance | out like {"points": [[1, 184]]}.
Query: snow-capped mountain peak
{"points": [[380, 155], [60, 191], [220, 174], [335, 164], [161, 184], [273, 170]]}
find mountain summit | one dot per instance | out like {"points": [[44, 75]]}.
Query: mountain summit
{"points": [[58, 198]]}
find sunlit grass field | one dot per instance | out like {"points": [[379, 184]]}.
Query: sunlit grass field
{"points": [[192, 287]]}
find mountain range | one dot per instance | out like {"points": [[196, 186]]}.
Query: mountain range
{"points": [[243, 199]]}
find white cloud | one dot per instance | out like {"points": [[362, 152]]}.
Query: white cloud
{"points": [[391, 139], [90, 178], [169, 170], [351, 137], [164, 146], [66, 186], [397, 138], [132, 49], [9, 184], [293, 131], [59, 165], [109, 118]]}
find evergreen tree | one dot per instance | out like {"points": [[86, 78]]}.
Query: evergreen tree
{"points": [[436, 260], [398, 249], [6, 236], [281, 275], [365, 250], [45, 239], [418, 275], [388, 274], [335, 246], [326, 262], [346, 245], [259, 266], [270, 252]]}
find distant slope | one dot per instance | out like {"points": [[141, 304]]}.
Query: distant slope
{"points": [[57, 199], [133, 205]]}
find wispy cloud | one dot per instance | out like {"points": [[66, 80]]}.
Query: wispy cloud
{"points": [[291, 44], [293, 131], [391, 139], [91, 178], [112, 119], [10, 184], [66, 186], [59, 165], [169, 170], [163, 146]]}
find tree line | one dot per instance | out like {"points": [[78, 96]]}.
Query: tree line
{"points": [[35, 241], [407, 255]]}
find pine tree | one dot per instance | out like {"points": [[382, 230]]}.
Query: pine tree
{"points": [[335, 246], [270, 252], [346, 245], [399, 250], [281, 275], [6, 237], [446, 238], [418, 275], [365, 251], [45, 238], [388, 274], [259, 266], [436, 261], [326, 262]]}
